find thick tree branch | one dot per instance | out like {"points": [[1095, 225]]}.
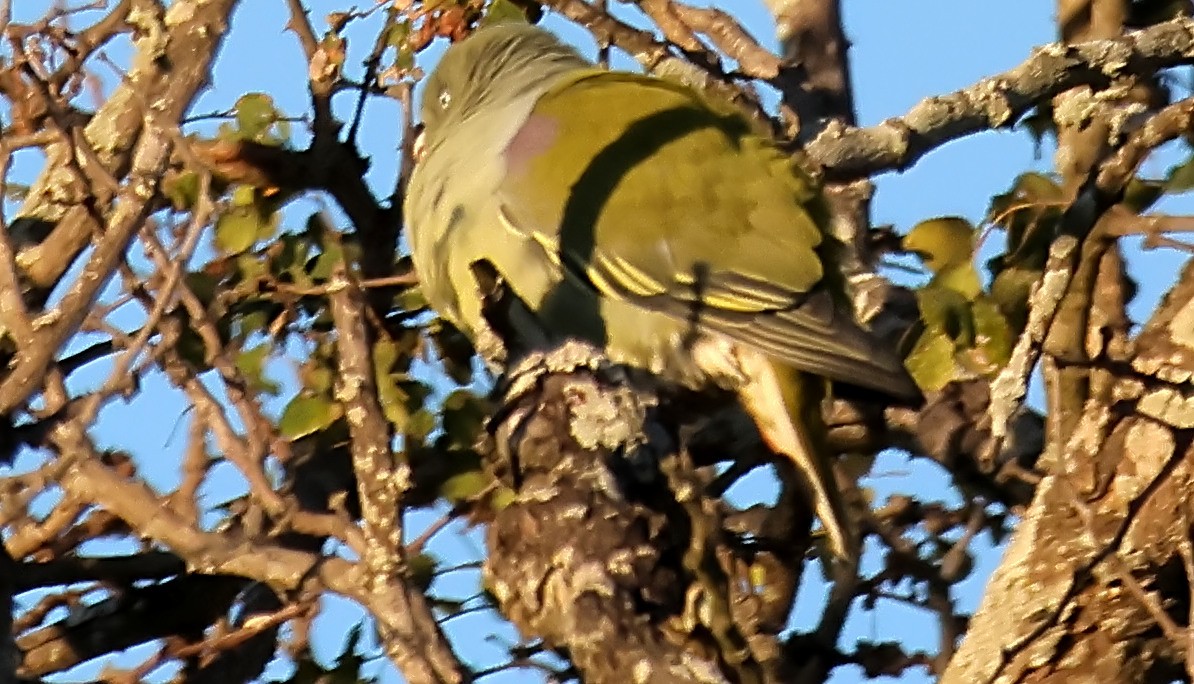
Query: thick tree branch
{"points": [[567, 427], [999, 101]]}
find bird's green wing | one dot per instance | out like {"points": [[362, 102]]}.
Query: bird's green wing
{"points": [[649, 193]]}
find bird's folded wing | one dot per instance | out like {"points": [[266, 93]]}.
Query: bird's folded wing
{"points": [[651, 195]]}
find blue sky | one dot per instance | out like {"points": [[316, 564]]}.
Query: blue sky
{"points": [[901, 53]]}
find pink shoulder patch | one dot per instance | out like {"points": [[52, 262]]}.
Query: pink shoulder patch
{"points": [[532, 140]]}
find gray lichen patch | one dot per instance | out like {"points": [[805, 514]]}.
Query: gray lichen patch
{"points": [[604, 419]]}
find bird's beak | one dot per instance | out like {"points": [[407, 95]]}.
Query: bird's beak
{"points": [[420, 146]]}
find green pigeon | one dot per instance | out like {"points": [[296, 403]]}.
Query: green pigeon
{"points": [[639, 215]]}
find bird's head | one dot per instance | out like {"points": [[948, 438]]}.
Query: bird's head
{"points": [[496, 65]]}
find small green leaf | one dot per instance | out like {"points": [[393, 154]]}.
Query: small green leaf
{"points": [[329, 257], [290, 257], [464, 414], [191, 347], [307, 414], [502, 497], [992, 333], [251, 316], [202, 285], [946, 311], [183, 190], [931, 362], [411, 299], [1039, 186], [1029, 212], [1181, 177], [316, 376], [394, 402], [248, 219], [453, 349], [420, 570], [251, 364], [404, 60], [398, 34], [250, 267], [421, 423], [962, 278], [255, 113], [941, 242], [236, 230], [1139, 194], [503, 11], [464, 486], [1011, 289]]}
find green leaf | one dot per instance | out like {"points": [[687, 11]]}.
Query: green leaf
{"points": [[993, 342], [236, 230], [420, 570], [404, 60], [398, 34], [251, 364], [1030, 213], [394, 402], [1011, 289], [931, 362], [255, 114], [411, 299], [1181, 177], [464, 486], [398, 397], [307, 414], [202, 285], [190, 346], [251, 316], [962, 278], [464, 415], [946, 311], [331, 255], [386, 354], [503, 11], [289, 258], [249, 218], [420, 424], [250, 267], [1139, 194], [183, 190], [453, 349], [317, 376], [942, 242]]}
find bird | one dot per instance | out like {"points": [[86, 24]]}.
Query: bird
{"points": [[649, 219]]}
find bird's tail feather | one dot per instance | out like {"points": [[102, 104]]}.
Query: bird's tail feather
{"points": [[785, 404]]}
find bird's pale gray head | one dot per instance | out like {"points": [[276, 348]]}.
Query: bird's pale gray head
{"points": [[495, 64]]}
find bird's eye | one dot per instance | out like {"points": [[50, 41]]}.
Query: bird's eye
{"points": [[445, 99]]}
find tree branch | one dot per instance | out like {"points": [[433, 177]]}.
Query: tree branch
{"points": [[417, 646], [999, 101]]}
